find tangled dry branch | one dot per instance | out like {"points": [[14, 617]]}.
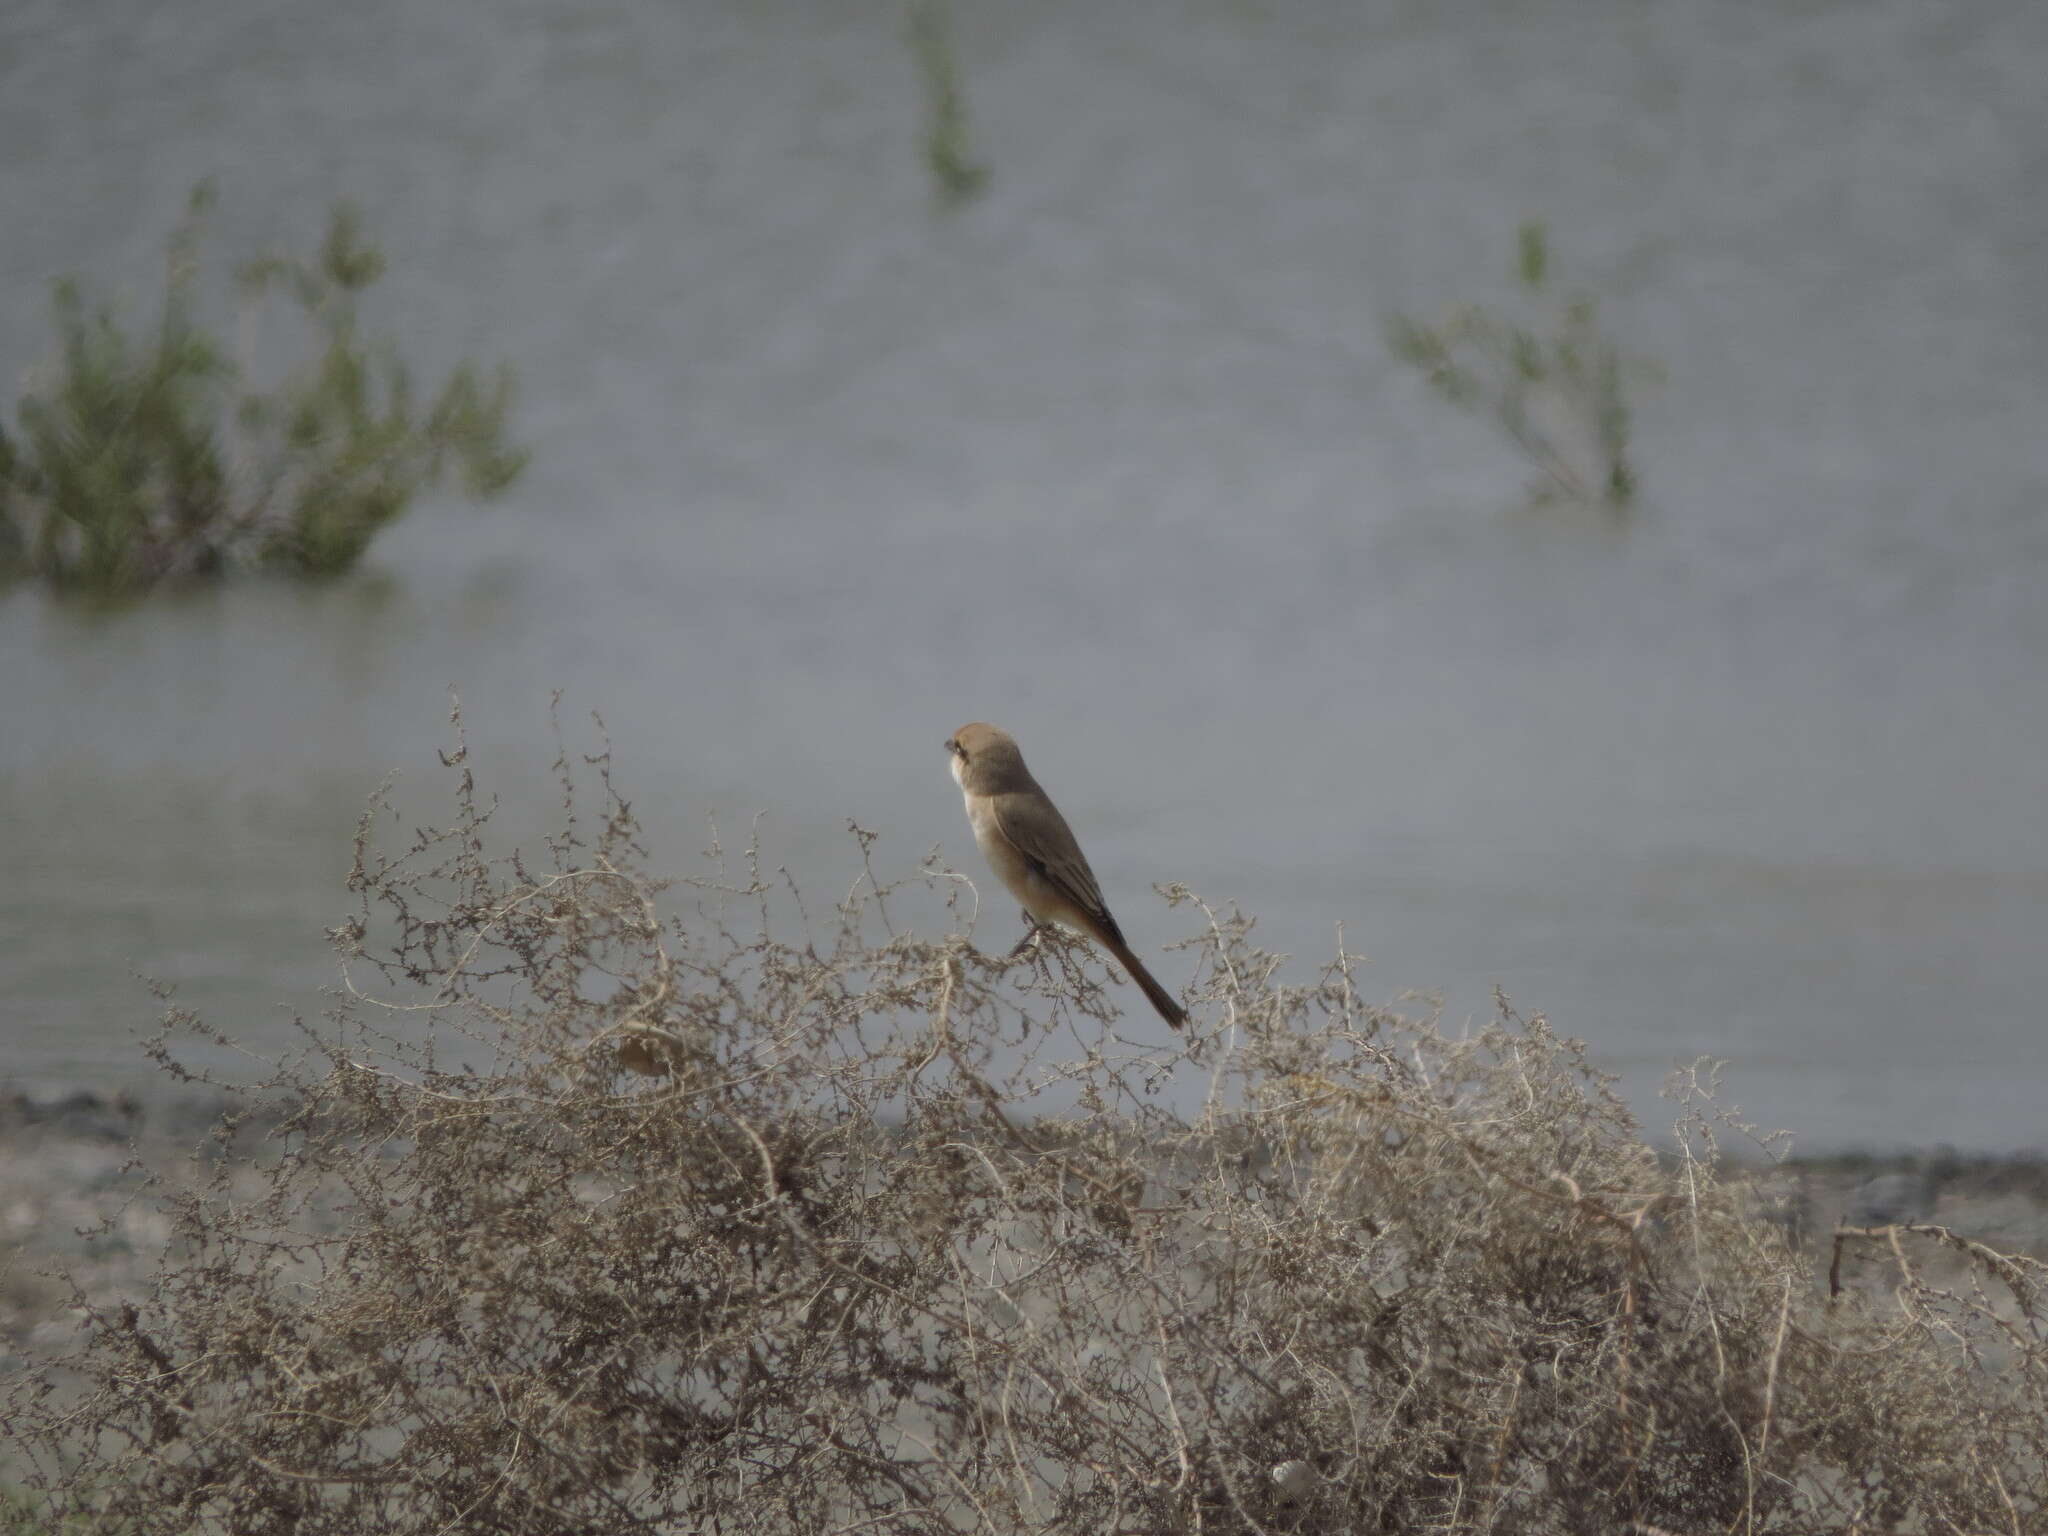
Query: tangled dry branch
{"points": [[603, 1205]]}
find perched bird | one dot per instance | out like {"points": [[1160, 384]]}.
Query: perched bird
{"points": [[1029, 845]]}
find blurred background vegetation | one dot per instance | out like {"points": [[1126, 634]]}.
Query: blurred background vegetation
{"points": [[957, 177], [151, 455], [140, 460], [1557, 388]]}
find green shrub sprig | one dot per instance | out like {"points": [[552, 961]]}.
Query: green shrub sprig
{"points": [[144, 459], [1559, 389]]}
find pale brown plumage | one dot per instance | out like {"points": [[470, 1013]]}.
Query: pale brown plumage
{"points": [[1029, 845]]}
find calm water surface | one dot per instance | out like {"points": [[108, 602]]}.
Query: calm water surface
{"points": [[1117, 457]]}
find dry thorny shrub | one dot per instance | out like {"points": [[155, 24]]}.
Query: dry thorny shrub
{"points": [[605, 1206]]}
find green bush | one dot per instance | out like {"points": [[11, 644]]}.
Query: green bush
{"points": [[138, 460], [1557, 388], [606, 1205], [957, 178]]}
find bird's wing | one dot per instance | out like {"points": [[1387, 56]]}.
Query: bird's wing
{"points": [[1035, 828]]}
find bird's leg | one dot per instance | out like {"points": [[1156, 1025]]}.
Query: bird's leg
{"points": [[1034, 934]]}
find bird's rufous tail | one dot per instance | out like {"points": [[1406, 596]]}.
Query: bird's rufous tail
{"points": [[1155, 994]]}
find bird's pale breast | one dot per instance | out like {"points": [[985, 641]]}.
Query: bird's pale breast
{"points": [[1037, 895]]}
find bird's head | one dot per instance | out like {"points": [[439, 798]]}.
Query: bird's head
{"points": [[986, 760]]}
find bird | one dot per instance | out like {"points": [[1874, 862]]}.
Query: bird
{"points": [[1032, 850]]}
